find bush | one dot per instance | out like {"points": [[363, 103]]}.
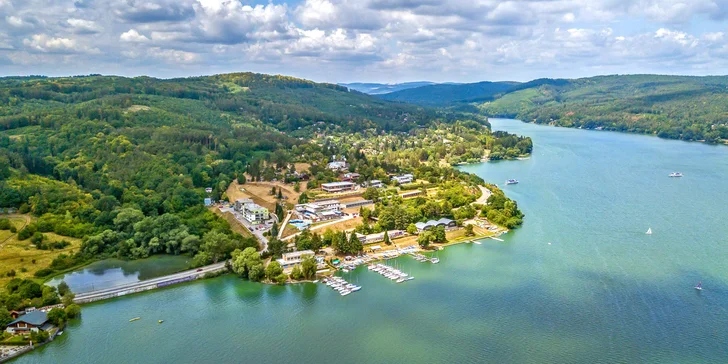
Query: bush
{"points": [[5, 224], [45, 272], [37, 238], [10, 273], [73, 311]]}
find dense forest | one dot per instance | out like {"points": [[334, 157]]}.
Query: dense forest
{"points": [[123, 163], [675, 107], [449, 94]]}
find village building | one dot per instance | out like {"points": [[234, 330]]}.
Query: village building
{"points": [[31, 321], [350, 177], [337, 165], [446, 223], [288, 260], [379, 237], [335, 187], [375, 183], [405, 178], [254, 213], [319, 210]]}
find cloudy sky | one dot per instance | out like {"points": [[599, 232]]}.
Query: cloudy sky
{"points": [[365, 40]]}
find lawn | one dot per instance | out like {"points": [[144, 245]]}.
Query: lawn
{"points": [[18, 255]]}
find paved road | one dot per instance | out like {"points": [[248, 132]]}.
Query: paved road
{"points": [[252, 228], [148, 284], [483, 200]]}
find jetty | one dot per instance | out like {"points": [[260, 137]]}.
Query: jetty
{"points": [[147, 285]]}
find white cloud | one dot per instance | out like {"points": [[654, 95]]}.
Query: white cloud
{"points": [[173, 56], [47, 44], [84, 26], [132, 36]]}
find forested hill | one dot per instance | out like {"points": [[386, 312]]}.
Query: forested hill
{"points": [[449, 94], [384, 88], [123, 163], [676, 107]]}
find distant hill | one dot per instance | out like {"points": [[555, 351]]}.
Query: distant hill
{"points": [[383, 88], [449, 94], [675, 107]]}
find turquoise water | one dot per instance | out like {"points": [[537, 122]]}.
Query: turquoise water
{"points": [[602, 292], [113, 272]]}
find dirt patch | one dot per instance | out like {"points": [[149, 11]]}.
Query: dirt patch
{"points": [[259, 192], [135, 108]]}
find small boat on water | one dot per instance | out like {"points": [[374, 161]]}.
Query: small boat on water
{"points": [[699, 287], [649, 231], [160, 321], [477, 242], [135, 318], [435, 260], [316, 281], [512, 182], [60, 333], [676, 174]]}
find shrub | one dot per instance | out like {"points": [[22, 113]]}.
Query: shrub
{"points": [[45, 272]]}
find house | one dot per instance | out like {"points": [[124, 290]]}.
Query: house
{"points": [[375, 238], [208, 190], [239, 203], [337, 165], [350, 177], [358, 203], [288, 260], [320, 210], [334, 187], [254, 213], [208, 202], [375, 183], [32, 321], [446, 223], [405, 178]]}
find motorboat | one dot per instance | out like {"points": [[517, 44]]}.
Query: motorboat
{"points": [[676, 174], [512, 182]]}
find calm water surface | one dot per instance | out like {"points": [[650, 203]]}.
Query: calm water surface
{"points": [[113, 272], [602, 292]]}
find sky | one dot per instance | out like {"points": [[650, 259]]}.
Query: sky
{"points": [[365, 40]]}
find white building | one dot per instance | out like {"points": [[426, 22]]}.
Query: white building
{"points": [[254, 213], [334, 187], [375, 183], [405, 178], [319, 211], [290, 259], [337, 165]]}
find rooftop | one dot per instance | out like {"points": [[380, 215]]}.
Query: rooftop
{"points": [[337, 184], [35, 318]]}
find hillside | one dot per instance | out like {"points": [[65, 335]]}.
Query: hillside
{"points": [[123, 163], [449, 94], [676, 107], [384, 88]]}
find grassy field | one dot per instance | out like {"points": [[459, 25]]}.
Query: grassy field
{"points": [[259, 192], [18, 255], [235, 225]]}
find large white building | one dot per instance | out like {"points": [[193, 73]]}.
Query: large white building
{"points": [[254, 213], [405, 178], [320, 210], [337, 186], [290, 259]]}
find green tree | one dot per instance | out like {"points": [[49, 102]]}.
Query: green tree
{"points": [[303, 198], [386, 238], [439, 235], [308, 267], [424, 239], [297, 187], [73, 311], [412, 229], [217, 244], [296, 273], [57, 316], [5, 317], [469, 230], [273, 272], [63, 288]]}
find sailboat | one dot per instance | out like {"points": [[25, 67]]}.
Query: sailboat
{"points": [[649, 231], [699, 287]]}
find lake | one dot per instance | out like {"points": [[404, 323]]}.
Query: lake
{"points": [[113, 272], [602, 292]]}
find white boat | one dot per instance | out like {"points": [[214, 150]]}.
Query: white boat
{"points": [[435, 260], [649, 231], [356, 288], [344, 293], [676, 174], [477, 242], [316, 281], [400, 280], [512, 182], [410, 278], [699, 287]]}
